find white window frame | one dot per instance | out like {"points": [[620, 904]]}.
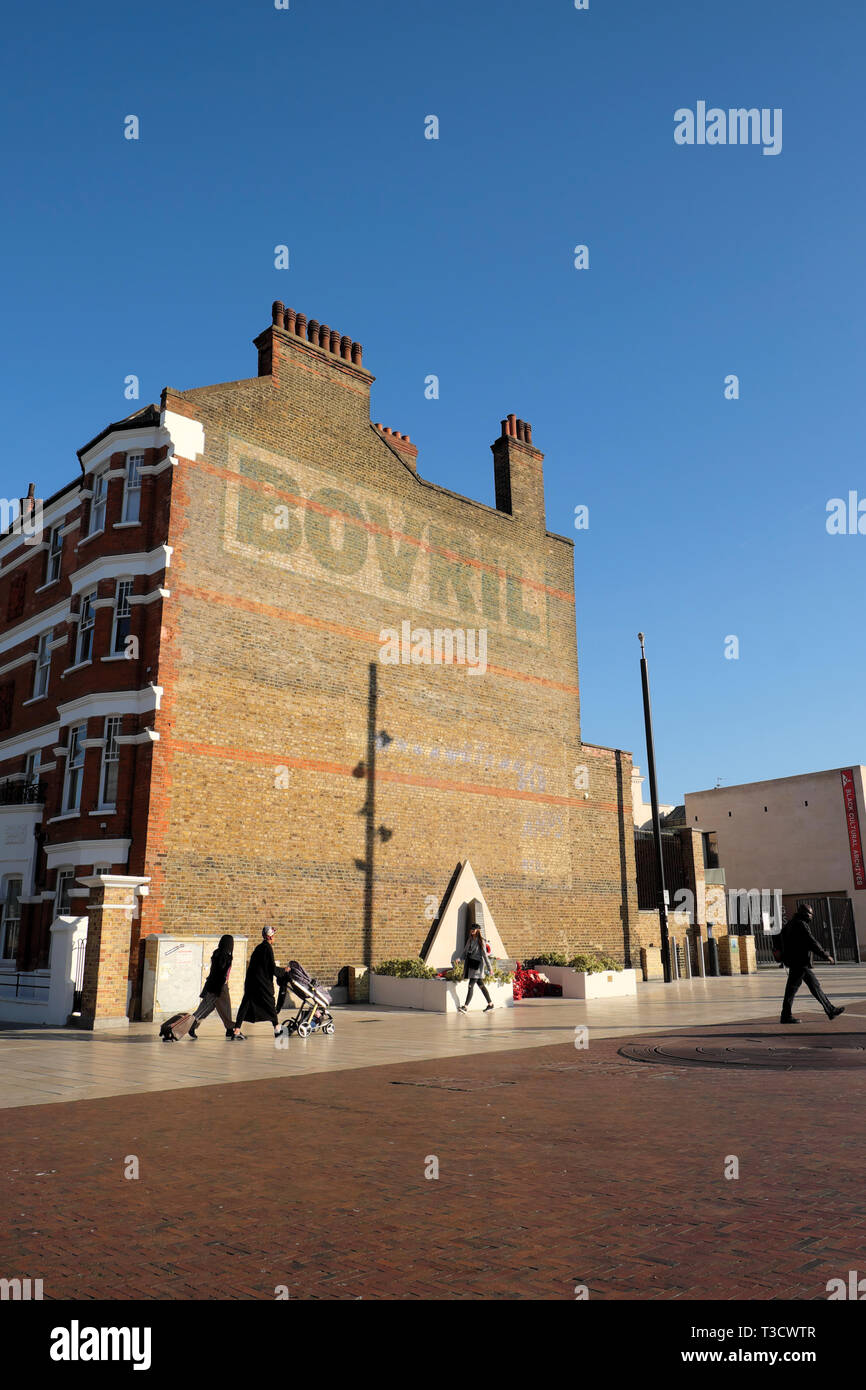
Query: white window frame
{"points": [[122, 609], [65, 873], [32, 765], [74, 764], [132, 487], [55, 554], [86, 624], [6, 920], [43, 664], [98, 502], [110, 759]]}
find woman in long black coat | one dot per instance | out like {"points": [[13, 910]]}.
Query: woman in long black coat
{"points": [[258, 1004]]}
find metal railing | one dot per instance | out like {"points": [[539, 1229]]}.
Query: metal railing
{"points": [[29, 989], [22, 793]]}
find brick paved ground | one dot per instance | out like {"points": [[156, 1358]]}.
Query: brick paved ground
{"points": [[557, 1167]]}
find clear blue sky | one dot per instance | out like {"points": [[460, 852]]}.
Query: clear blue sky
{"points": [[454, 257]]}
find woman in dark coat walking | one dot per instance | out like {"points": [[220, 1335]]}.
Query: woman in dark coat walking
{"points": [[258, 1003], [475, 967], [215, 994]]}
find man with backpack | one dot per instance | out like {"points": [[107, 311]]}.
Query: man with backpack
{"points": [[797, 944]]}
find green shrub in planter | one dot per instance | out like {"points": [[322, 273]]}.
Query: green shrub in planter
{"points": [[413, 969], [593, 964], [547, 958], [608, 962], [497, 976]]}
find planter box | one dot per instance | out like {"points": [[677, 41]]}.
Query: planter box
{"points": [[436, 996], [602, 984]]}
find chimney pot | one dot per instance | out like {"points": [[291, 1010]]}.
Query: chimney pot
{"points": [[289, 320], [301, 325], [277, 309], [346, 348], [521, 430], [313, 331], [528, 433], [335, 342], [512, 425], [357, 353], [324, 335]]}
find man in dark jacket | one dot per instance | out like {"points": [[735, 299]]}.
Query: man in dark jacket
{"points": [[257, 1004], [798, 943]]}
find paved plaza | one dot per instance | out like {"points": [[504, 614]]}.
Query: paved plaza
{"points": [[557, 1167]]}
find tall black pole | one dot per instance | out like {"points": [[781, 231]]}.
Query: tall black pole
{"points": [[657, 829]]}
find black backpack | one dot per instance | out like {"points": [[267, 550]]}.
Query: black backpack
{"points": [[779, 946]]}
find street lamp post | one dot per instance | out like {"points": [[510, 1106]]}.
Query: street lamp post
{"points": [[657, 829]]}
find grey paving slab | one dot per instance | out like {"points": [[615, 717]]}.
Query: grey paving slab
{"points": [[47, 1066]]}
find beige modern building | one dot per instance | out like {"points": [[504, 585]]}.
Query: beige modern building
{"points": [[642, 811], [802, 836]]}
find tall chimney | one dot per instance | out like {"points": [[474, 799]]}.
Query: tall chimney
{"points": [[518, 473]]}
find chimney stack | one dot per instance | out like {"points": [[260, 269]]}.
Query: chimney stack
{"points": [[401, 443], [519, 474]]}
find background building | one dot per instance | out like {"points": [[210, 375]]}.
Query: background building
{"points": [[202, 697], [800, 835]]}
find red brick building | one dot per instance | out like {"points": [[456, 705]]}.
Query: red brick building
{"points": [[254, 658]]}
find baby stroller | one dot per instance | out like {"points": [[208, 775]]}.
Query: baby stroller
{"points": [[313, 1015]]}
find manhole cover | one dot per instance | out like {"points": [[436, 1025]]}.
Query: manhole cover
{"points": [[455, 1083], [820, 1052]]}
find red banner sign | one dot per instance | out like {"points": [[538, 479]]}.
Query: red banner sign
{"points": [[852, 818]]}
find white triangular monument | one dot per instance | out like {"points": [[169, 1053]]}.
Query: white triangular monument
{"points": [[463, 908]]}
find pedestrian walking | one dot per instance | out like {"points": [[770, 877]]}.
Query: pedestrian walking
{"points": [[475, 967], [797, 945], [257, 1004], [215, 994]]}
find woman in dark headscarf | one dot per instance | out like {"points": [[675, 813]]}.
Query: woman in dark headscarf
{"points": [[215, 994], [258, 1002], [475, 967]]}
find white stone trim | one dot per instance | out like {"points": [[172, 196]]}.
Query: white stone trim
{"points": [[76, 852], [91, 743], [91, 536], [131, 440], [129, 740], [121, 567], [19, 661], [185, 436], [29, 551], [23, 743], [104, 702], [123, 525], [150, 597], [35, 626], [50, 517], [79, 666]]}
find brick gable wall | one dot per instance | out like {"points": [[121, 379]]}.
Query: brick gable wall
{"points": [[300, 780]]}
